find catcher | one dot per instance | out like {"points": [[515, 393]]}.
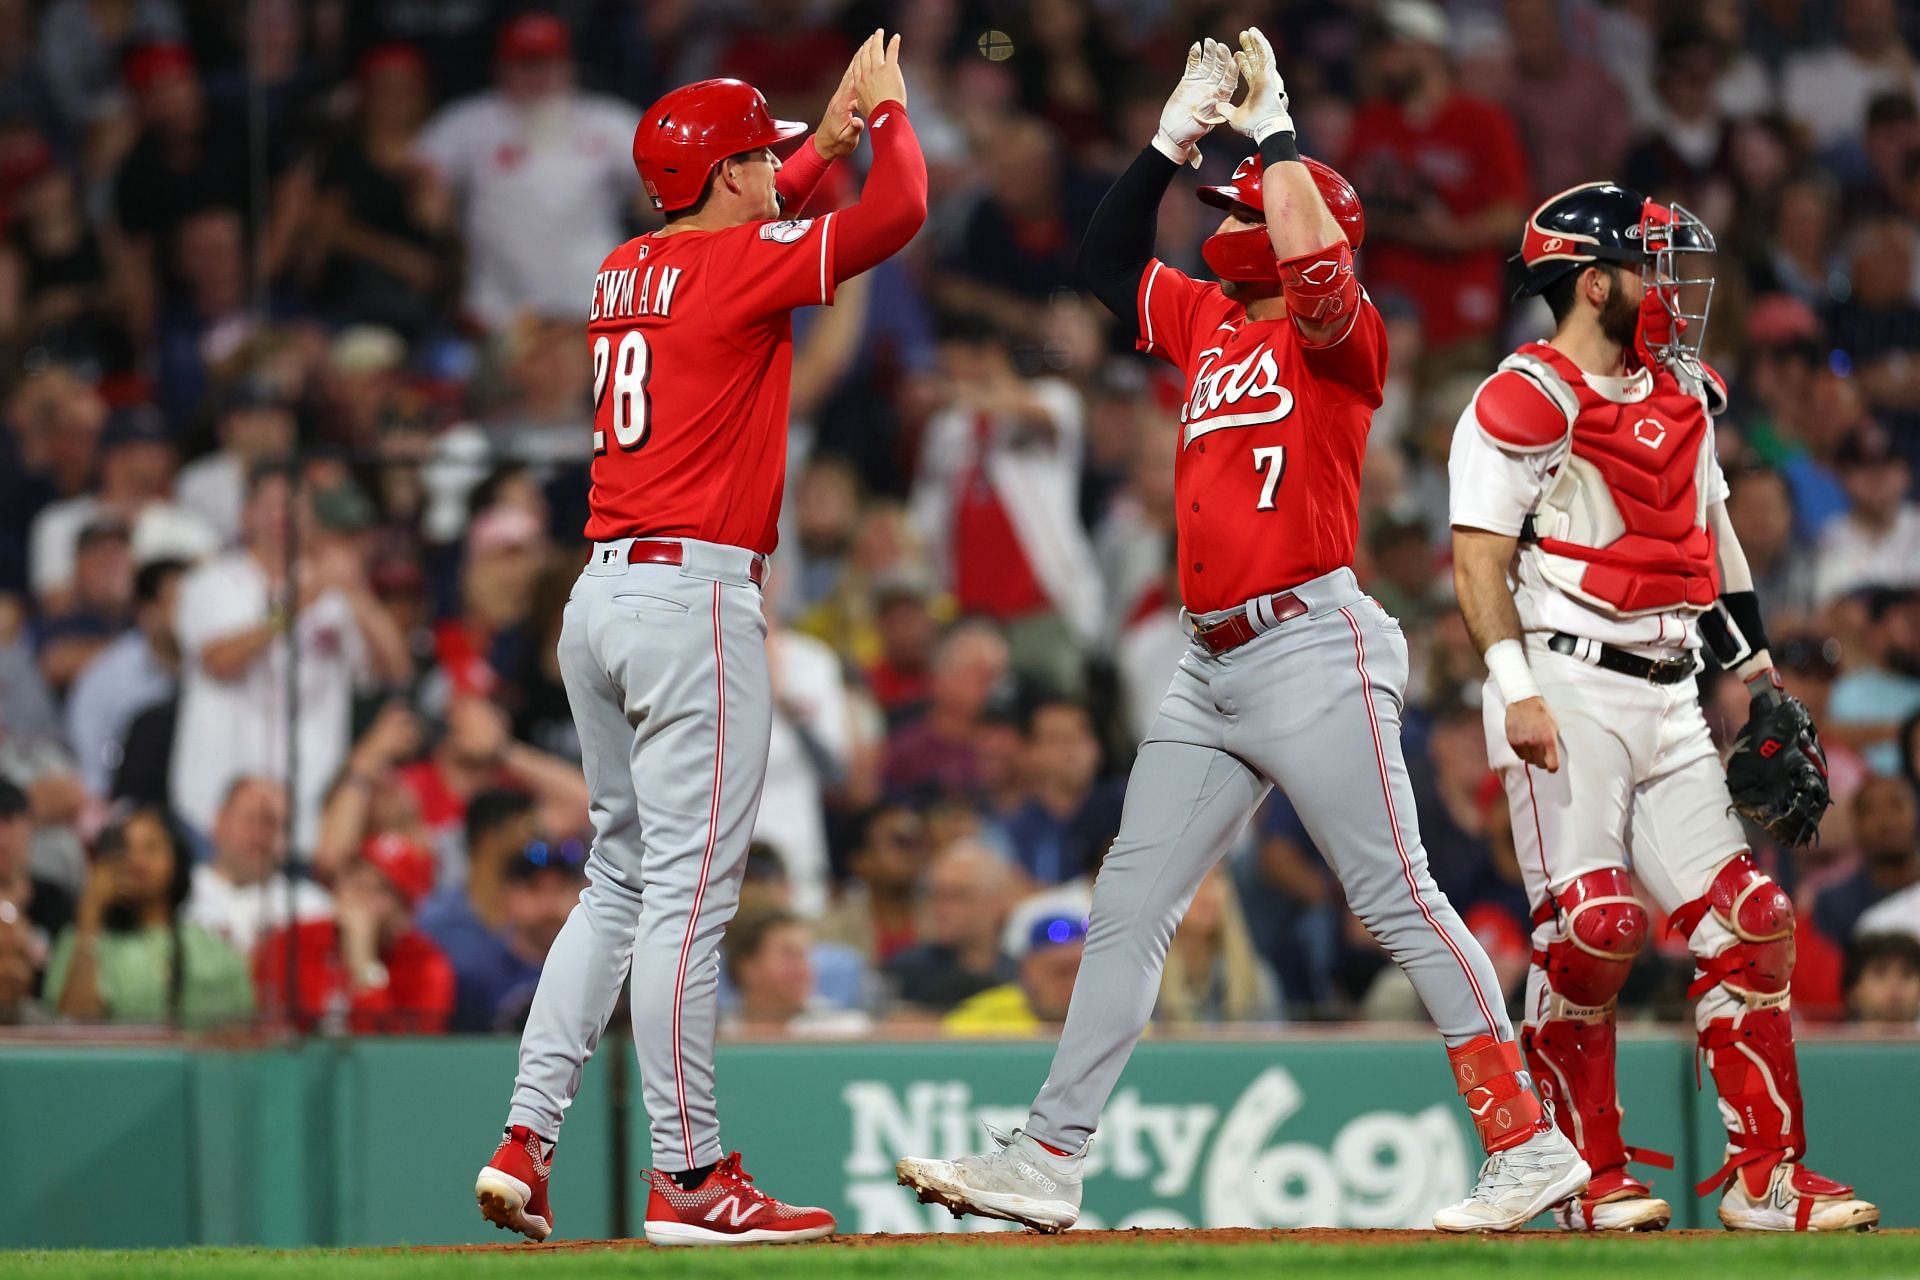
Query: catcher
{"points": [[1593, 558]]}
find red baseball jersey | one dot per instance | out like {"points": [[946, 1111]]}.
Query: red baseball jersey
{"points": [[692, 342], [1267, 479]]}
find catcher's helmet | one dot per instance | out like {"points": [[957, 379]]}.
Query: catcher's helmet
{"points": [[1247, 256], [692, 129], [1593, 222]]}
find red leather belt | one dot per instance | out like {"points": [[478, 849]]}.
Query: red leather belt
{"points": [[1231, 633], [668, 551]]}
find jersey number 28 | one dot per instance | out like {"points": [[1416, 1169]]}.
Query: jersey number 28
{"points": [[623, 374]]}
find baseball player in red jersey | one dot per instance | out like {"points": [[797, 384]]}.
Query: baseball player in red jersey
{"points": [[662, 648], [1594, 556], [1294, 677]]}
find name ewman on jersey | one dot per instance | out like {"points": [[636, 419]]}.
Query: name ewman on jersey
{"points": [[628, 291]]}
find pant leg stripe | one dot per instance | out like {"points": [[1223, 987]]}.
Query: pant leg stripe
{"points": [[700, 886], [1539, 840], [1393, 821]]}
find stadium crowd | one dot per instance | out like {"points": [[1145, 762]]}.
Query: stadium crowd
{"points": [[296, 420]]}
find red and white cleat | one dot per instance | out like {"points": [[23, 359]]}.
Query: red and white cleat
{"points": [[512, 1189], [1796, 1199], [1615, 1201], [727, 1209]]}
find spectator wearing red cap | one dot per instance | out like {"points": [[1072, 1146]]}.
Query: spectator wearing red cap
{"points": [[541, 173], [1445, 181], [81, 43], [375, 250], [368, 971]]}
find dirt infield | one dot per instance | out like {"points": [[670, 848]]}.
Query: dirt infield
{"points": [[1136, 1236]]}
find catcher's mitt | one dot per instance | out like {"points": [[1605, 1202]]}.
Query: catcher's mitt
{"points": [[1777, 774]]}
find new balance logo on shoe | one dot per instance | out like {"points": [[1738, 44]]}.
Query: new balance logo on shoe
{"points": [[737, 1213]]}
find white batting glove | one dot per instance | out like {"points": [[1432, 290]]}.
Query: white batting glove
{"points": [[1264, 110], [1200, 101]]}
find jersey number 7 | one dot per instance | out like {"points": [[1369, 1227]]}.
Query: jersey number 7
{"points": [[624, 373], [1273, 461]]}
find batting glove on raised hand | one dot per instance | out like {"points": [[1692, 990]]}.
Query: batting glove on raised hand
{"points": [[1264, 110], [1200, 101]]}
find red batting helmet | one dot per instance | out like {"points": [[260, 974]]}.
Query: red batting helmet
{"points": [[1247, 256], [694, 128]]}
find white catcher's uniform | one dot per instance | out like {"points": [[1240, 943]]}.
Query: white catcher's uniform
{"points": [[1608, 484], [1640, 781]]}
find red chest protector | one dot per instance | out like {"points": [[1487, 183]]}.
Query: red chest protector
{"points": [[1623, 522]]}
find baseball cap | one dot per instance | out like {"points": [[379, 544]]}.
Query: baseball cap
{"points": [[151, 63], [407, 864], [503, 528], [568, 857], [101, 527], [1055, 931], [1866, 446], [1419, 21], [135, 424], [1781, 320], [343, 506], [532, 37]]}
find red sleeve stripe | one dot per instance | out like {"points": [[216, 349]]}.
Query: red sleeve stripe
{"points": [[1146, 302], [826, 279]]}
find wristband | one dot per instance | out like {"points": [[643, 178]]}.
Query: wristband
{"points": [[1507, 664], [1172, 150], [1280, 146]]}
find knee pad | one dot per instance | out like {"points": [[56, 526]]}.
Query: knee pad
{"points": [[1321, 285], [1757, 964], [1604, 928]]}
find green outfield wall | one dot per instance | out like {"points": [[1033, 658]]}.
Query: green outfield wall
{"points": [[377, 1141]]}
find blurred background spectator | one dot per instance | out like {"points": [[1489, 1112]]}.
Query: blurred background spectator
{"points": [[294, 447]]}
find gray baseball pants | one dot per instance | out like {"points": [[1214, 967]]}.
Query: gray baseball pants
{"points": [[1311, 706], [666, 670]]}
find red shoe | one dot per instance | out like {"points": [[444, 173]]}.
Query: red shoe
{"points": [[512, 1189], [727, 1209]]}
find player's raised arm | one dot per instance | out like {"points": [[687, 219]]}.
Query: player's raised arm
{"points": [[838, 135], [1119, 240], [1316, 260], [893, 201]]}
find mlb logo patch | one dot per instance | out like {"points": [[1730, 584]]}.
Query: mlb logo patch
{"points": [[786, 232]]}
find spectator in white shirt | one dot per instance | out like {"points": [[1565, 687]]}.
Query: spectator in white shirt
{"points": [[1827, 89], [243, 892], [130, 675], [542, 174], [256, 424], [997, 499], [238, 620], [136, 472], [1877, 543]]}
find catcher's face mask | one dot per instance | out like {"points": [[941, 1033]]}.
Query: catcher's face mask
{"points": [[1678, 272]]}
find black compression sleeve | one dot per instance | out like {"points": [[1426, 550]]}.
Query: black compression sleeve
{"points": [[1119, 240]]}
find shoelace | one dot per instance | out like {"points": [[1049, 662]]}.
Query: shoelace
{"points": [[734, 1171], [1498, 1175]]}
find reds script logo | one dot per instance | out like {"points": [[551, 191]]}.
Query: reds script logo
{"points": [[1256, 377]]}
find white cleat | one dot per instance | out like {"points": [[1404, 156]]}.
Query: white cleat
{"points": [[1518, 1184], [1625, 1212], [1797, 1199], [1019, 1181]]}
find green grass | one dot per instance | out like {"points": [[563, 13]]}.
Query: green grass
{"points": [[1551, 1258]]}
